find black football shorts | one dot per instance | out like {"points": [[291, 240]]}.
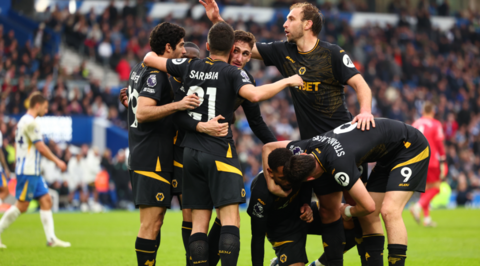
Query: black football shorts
{"points": [[211, 181], [291, 250], [406, 172], [151, 188]]}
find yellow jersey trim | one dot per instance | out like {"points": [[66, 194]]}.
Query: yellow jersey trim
{"points": [[158, 168], [188, 228], [175, 138], [23, 195], [223, 167], [177, 164], [177, 80], [144, 251], [152, 175], [229, 152], [422, 156], [277, 244], [315, 47], [318, 160]]}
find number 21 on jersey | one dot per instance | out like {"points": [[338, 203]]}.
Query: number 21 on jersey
{"points": [[212, 97]]}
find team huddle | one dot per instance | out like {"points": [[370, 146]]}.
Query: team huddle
{"points": [[180, 111]]}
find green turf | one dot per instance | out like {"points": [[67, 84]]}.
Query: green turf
{"points": [[108, 239]]}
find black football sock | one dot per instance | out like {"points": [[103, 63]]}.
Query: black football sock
{"points": [[334, 241], [350, 243], [157, 242], [397, 254], [213, 240], [229, 245], [198, 248], [146, 251], [373, 245], [359, 240], [186, 232]]}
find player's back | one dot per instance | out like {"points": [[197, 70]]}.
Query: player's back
{"points": [[150, 143], [27, 156], [217, 84], [433, 132]]}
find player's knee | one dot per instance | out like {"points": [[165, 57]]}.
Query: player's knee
{"points": [[390, 213], [46, 202]]}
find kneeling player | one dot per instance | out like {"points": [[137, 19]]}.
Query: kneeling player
{"points": [[284, 220], [402, 155]]}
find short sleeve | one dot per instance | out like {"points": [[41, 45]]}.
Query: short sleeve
{"points": [[33, 132], [178, 67], [272, 52], [299, 146], [260, 199], [239, 78], [343, 67], [343, 170], [153, 84]]}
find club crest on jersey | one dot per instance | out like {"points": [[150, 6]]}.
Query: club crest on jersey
{"points": [[258, 210], [296, 150], [152, 81], [245, 76], [347, 61], [302, 70]]}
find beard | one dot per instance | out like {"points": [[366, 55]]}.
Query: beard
{"points": [[293, 38]]}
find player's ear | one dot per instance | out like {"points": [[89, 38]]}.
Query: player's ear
{"points": [[168, 48], [310, 178], [308, 25], [208, 47], [233, 49]]}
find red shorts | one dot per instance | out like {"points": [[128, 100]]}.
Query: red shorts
{"points": [[433, 174]]}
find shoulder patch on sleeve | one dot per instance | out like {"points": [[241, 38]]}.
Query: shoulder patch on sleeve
{"points": [[245, 76], [258, 210], [179, 61], [152, 80], [347, 61]]}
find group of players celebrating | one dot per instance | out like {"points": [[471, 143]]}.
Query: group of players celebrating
{"points": [[180, 111]]}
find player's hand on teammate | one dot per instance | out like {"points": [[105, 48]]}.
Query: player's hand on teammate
{"points": [[363, 119], [295, 81], [213, 127], [123, 97], [212, 11], [188, 102], [306, 213], [342, 210], [61, 164]]}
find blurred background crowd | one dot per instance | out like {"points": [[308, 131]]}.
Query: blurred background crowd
{"points": [[405, 64]]}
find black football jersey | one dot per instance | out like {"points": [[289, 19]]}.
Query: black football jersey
{"points": [[150, 143], [179, 93], [217, 84], [342, 151], [282, 214], [320, 102]]}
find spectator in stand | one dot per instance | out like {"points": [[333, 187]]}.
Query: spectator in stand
{"points": [[118, 172]]}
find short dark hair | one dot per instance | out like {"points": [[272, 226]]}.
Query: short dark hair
{"points": [[298, 168], [245, 36], [165, 33], [311, 12], [35, 98], [279, 157], [221, 38]]}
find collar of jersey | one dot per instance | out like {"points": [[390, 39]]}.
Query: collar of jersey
{"points": [[315, 47], [213, 60]]}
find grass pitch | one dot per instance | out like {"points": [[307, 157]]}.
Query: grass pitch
{"points": [[108, 239]]}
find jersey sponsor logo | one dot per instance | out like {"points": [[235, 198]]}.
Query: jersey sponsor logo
{"points": [[203, 76], [152, 81], [302, 70], [342, 178], [149, 90], [348, 62], [296, 150], [179, 61], [245, 76], [283, 258], [404, 185], [309, 86], [135, 77], [258, 210]]}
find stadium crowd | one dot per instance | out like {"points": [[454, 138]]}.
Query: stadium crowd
{"points": [[404, 64]]}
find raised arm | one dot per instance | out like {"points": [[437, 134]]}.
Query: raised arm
{"points": [[151, 59], [262, 93], [266, 150], [364, 95]]}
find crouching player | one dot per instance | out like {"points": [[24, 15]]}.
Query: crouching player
{"points": [[402, 154], [285, 221]]}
